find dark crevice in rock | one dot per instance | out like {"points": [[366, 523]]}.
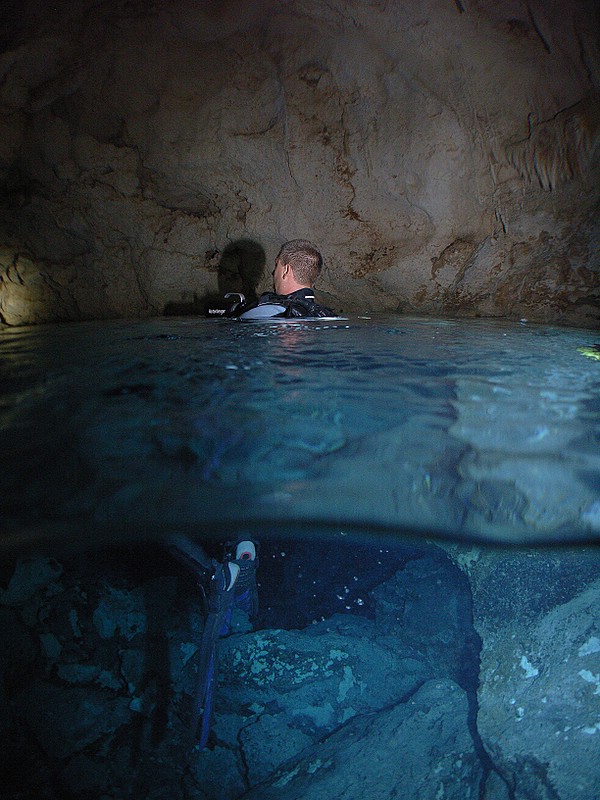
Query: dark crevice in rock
{"points": [[471, 687], [245, 767], [537, 29]]}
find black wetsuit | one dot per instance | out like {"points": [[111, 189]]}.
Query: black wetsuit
{"points": [[300, 303]]}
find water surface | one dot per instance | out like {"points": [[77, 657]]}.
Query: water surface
{"points": [[473, 430]]}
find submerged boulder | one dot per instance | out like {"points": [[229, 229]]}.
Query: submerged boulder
{"points": [[427, 605], [418, 750], [65, 720], [285, 690], [539, 710]]}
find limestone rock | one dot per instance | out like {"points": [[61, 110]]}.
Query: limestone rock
{"points": [[267, 743], [428, 605], [344, 706], [317, 678], [66, 720], [31, 576], [420, 749], [120, 612], [443, 155], [540, 665]]}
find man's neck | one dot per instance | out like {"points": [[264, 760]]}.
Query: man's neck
{"points": [[297, 288]]}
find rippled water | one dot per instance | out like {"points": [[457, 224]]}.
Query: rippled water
{"points": [[474, 429]]}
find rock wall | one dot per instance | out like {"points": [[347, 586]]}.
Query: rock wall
{"points": [[539, 681], [442, 154]]}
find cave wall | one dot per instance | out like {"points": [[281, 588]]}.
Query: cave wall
{"points": [[442, 154]]}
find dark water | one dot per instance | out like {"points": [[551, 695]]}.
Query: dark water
{"points": [[474, 430]]}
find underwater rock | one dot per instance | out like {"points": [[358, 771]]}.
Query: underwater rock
{"points": [[539, 711], [307, 683], [267, 742], [420, 749], [346, 702], [65, 720], [31, 575], [518, 587], [428, 606], [214, 775], [318, 675], [120, 612], [123, 678]]}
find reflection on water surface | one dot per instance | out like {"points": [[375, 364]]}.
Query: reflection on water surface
{"points": [[471, 429]]}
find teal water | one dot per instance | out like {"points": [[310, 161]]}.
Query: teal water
{"points": [[473, 430]]}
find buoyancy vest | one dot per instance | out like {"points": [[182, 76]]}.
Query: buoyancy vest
{"points": [[300, 303]]}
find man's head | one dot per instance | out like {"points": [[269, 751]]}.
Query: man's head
{"points": [[297, 266]]}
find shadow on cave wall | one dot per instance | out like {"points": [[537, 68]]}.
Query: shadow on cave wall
{"points": [[240, 269]]}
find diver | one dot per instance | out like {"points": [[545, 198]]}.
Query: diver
{"points": [[231, 584], [297, 267]]}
